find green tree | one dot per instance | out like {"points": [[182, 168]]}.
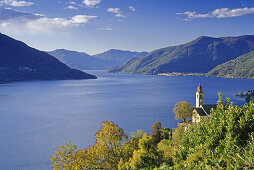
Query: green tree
{"points": [[165, 146], [222, 142], [106, 153], [147, 156], [155, 131], [64, 157], [109, 144], [138, 134], [182, 110], [165, 133], [225, 141]]}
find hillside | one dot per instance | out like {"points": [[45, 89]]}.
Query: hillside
{"points": [[198, 56], [20, 62], [241, 67], [83, 61], [118, 57]]}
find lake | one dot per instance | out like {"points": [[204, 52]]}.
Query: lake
{"points": [[36, 117]]}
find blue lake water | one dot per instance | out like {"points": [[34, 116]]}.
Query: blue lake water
{"points": [[36, 117]]}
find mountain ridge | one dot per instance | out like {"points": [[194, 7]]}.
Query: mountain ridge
{"points": [[84, 61], [197, 56], [19, 62], [241, 67]]}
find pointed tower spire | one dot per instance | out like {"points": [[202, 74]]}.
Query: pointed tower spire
{"points": [[199, 96], [199, 89]]}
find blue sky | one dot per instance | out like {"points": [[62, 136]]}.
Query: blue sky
{"points": [[94, 26]]}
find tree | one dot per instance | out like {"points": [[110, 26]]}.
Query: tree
{"points": [[106, 153], [165, 146], [225, 141], [182, 110], [138, 134], [155, 131], [109, 143], [147, 156], [64, 157], [156, 128], [158, 132], [165, 133]]}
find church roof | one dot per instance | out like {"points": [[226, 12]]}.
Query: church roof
{"points": [[199, 89], [204, 110], [207, 107], [200, 111]]}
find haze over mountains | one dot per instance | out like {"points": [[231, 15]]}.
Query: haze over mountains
{"points": [[79, 60], [83, 61], [20, 62], [118, 57], [198, 56]]}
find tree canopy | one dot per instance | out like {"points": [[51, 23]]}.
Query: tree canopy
{"points": [[182, 110], [225, 141]]}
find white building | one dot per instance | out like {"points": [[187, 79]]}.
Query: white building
{"points": [[201, 111]]}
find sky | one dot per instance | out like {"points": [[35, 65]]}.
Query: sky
{"points": [[94, 26]]}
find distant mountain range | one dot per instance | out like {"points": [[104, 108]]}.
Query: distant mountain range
{"points": [[214, 56], [20, 62], [83, 61], [241, 67], [80, 60], [198, 56], [118, 57]]}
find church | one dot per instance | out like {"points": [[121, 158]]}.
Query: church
{"points": [[201, 111]]}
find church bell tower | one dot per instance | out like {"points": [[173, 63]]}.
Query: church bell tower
{"points": [[199, 96]]}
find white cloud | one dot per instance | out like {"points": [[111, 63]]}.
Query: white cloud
{"points": [[116, 11], [81, 19], [71, 7], [72, 2], [39, 15], [49, 24], [219, 13], [105, 29], [131, 8], [109, 29], [4, 24], [91, 3], [192, 15], [23, 22], [8, 13], [225, 12], [16, 3]]}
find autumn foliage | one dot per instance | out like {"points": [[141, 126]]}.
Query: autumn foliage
{"points": [[225, 141]]}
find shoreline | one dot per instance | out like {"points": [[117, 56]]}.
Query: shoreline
{"points": [[199, 74]]}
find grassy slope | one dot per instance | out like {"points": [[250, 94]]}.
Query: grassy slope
{"points": [[241, 67]]}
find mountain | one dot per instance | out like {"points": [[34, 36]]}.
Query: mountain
{"points": [[20, 62], [83, 61], [241, 67], [118, 57], [80, 60], [198, 56]]}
